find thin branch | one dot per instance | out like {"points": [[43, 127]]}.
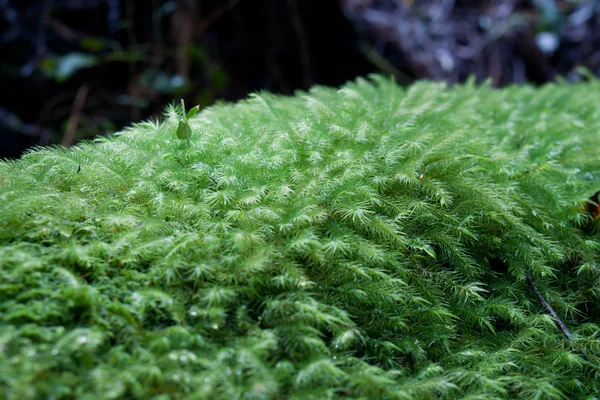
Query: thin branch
{"points": [[216, 15], [82, 93], [183, 28], [547, 306], [41, 45], [304, 51]]}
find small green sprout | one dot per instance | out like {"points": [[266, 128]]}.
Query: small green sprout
{"points": [[183, 129]]}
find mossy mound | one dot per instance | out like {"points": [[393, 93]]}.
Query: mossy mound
{"points": [[371, 242]]}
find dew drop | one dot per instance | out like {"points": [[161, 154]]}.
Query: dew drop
{"points": [[193, 313], [82, 339], [215, 326], [54, 352]]}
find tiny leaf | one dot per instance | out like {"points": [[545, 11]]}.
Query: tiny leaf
{"points": [[192, 112]]}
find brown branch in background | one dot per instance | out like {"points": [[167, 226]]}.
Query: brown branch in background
{"points": [[183, 21], [45, 115], [277, 81], [80, 97], [134, 111], [41, 45], [64, 31], [185, 27], [216, 15], [156, 28], [302, 39]]}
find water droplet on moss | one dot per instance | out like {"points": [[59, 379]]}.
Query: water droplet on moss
{"points": [[54, 352]]}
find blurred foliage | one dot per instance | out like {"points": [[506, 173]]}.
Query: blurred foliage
{"points": [[76, 67], [509, 41], [134, 70]]}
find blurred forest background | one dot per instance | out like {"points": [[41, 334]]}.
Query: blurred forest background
{"points": [[75, 69]]}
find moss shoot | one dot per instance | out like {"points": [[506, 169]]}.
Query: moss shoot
{"points": [[372, 242]]}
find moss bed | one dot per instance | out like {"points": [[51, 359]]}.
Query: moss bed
{"points": [[369, 242]]}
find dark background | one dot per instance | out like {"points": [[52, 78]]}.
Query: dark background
{"points": [[74, 69]]}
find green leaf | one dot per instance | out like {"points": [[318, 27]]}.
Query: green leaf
{"points": [[181, 130], [62, 68], [192, 112]]}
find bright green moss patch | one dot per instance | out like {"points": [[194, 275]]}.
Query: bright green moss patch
{"points": [[370, 242]]}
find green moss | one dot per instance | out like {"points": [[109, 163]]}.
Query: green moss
{"points": [[370, 242]]}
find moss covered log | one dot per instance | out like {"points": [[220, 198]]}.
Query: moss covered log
{"points": [[372, 242]]}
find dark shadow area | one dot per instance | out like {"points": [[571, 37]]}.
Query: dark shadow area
{"points": [[73, 70]]}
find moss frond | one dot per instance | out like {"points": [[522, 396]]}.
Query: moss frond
{"points": [[367, 242]]}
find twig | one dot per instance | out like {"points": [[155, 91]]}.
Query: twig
{"points": [[134, 111], [304, 51], [183, 24], [547, 306], [80, 97], [41, 45], [216, 15]]}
